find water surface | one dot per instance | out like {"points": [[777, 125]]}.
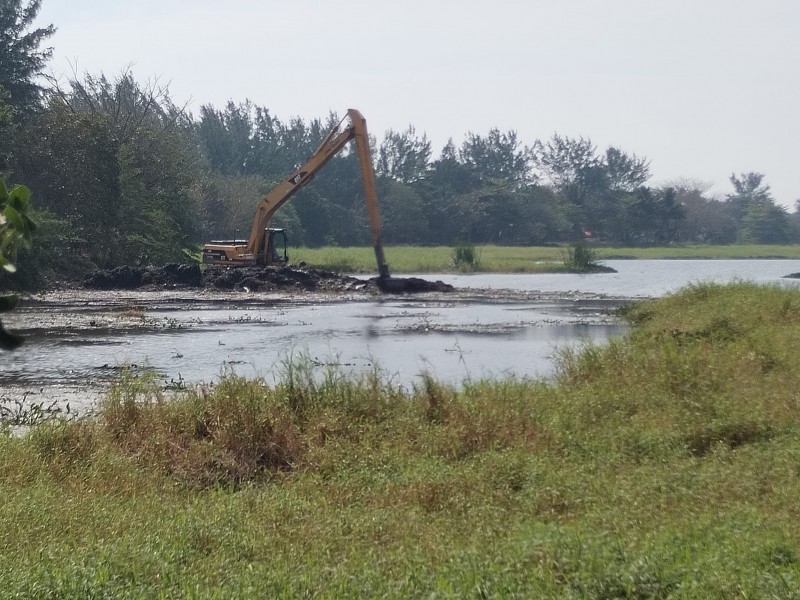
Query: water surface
{"points": [[457, 338]]}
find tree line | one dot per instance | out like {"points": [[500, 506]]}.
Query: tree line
{"points": [[120, 174]]}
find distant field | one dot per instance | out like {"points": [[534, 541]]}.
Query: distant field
{"points": [[511, 259], [713, 252]]}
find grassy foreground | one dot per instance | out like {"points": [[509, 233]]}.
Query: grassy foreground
{"points": [[511, 259], [664, 465]]}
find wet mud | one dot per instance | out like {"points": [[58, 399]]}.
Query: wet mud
{"points": [[79, 340], [252, 279]]}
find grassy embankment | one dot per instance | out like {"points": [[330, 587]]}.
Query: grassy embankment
{"points": [[664, 465], [511, 259]]}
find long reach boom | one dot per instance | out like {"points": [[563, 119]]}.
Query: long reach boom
{"points": [[260, 248]]}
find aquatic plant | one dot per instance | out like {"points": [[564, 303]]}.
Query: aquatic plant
{"points": [[582, 258], [465, 257]]}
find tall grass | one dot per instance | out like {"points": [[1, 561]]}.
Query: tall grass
{"points": [[662, 465], [465, 258]]}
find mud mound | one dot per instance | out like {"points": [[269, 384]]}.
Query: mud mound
{"points": [[410, 285], [260, 279], [253, 279], [130, 278], [119, 278], [173, 274]]}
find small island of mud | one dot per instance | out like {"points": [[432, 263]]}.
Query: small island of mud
{"points": [[252, 279]]}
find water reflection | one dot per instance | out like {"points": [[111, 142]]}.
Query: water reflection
{"points": [[468, 338], [451, 340]]}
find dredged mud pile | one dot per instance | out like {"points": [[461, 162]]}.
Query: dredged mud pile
{"points": [[253, 279]]}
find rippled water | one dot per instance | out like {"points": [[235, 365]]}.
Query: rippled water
{"points": [[403, 338], [454, 340]]}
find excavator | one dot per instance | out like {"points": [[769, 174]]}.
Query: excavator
{"points": [[267, 246]]}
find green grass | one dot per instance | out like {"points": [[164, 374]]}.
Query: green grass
{"points": [[511, 259], [465, 258], [662, 465], [710, 252]]}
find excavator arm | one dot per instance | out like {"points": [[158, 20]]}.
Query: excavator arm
{"points": [[334, 142]]}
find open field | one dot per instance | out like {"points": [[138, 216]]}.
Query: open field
{"points": [[512, 259], [664, 465]]}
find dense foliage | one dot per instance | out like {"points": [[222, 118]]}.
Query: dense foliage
{"points": [[123, 176], [21, 58]]}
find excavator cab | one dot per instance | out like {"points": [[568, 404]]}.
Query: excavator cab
{"points": [[276, 247], [234, 253]]}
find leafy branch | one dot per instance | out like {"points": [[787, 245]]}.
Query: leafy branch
{"points": [[16, 230]]}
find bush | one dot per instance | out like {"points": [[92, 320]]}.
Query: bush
{"points": [[582, 258], [465, 258]]}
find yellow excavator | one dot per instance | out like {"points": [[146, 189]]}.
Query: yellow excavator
{"points": [[267, 246]]}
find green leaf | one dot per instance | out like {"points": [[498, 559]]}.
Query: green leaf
{"points": [[19, 197], [14, 218], [7, 242]]}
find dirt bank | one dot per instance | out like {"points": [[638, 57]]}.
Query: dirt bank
{"points": [[252, 279]]}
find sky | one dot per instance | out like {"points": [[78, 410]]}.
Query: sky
{"points": [[701, 88]]}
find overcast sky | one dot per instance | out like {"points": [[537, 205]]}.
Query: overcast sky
{"points": [[702, 88]]}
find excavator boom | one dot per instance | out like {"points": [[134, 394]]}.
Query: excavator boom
{"points": [[256, 250]]}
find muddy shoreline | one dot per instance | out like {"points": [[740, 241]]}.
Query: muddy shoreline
{"points": [[120, 299], [80, 322], [253, 279]]}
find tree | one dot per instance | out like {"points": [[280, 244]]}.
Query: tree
{"points": [[759, 219], [448, 176], [403, 214], [648, 217], [497, 157], [794, 222], [70, 161], [403, 156], [603, 192], [21, 58], [580, 177], [567, 163], [707, 220], [6, 130], [626, 172], [226, 136], [748, 188], [114, 158], [766, 223]]}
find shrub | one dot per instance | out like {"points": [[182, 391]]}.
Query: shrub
{"points": [[582, 258], [465, 258]]}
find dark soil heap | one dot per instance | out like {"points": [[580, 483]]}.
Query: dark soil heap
{"points": [[254, 279], [131, 278], [259, 279]]}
